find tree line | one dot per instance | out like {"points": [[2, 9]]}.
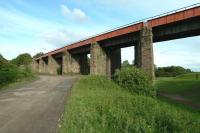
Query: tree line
{"points": [[169, 71]]}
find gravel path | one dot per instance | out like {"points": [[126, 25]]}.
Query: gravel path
{"points": [[35, 107]]}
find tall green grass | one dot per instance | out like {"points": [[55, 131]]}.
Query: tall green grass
{"points": [[99, 105]]}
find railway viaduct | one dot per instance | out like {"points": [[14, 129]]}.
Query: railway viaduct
{"points": [[105, 48]]}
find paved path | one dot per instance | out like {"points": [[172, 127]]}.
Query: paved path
{"points": [[35, 107]]}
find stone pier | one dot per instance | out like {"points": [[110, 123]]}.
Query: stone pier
{"points": [[104, 62], [43, 66], [75, 64], [52, 65], [144, 52]]}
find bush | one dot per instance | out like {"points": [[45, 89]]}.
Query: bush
{"points": [[8, 73], [11, 73], [135, 80]]}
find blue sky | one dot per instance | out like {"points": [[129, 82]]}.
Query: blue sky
{"points": [[43, 25]]}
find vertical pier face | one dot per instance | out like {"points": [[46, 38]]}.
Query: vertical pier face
{"points": [[75, 64], [35, 66], [144, 52], [104, 62], [53, 65], [43, 66], [98, 60], [66, 59], [84, 64]]}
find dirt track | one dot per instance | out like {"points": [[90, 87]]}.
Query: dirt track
{"points": [[35, 107]]}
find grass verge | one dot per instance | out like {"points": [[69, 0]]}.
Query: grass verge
{"points": [[187, 86], [99, 105]]}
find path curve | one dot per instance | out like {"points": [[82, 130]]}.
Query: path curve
{"points": [[35, 107]]}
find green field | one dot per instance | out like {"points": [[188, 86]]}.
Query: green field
{"points": [[186, 86], [99, 105]]}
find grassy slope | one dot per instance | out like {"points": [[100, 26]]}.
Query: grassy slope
{"points": [[185, 85], [99, 105]]}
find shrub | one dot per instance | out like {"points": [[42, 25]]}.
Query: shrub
{"points": [[8, 73], [135, 80], [11, 73]]}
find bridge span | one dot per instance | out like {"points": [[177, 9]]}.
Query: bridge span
{"points": [[105, 48]]}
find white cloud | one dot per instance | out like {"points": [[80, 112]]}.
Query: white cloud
{"points": [[75, 14], [65, 10], [60, 38], [22, 33], [79, 15]]}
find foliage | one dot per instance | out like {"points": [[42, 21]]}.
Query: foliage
{"points": [[126, 64], [99, 105], [171, 71], [135, 80], [38, 55], [23, 59], [2, 60], [11, 73], [8, 73]]}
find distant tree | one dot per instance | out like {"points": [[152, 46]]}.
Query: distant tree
{"points": [[126, 63], [2, 60], [171, 71], [38, 55], [22, 59]]}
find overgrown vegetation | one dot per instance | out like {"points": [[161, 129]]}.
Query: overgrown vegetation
{"points": [[135, 80], [99, 105], [15, 70], [171, 71]]}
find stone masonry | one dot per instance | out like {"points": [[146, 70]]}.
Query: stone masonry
{"points": [[52, 65], [98, 60], [144, 52], [75, 64], [104, 62]]}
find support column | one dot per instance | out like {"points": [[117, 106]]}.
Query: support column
{"points": [[113, 61], [137, 59], [144, 52], [66, 62], [84, 64], [35, 66], [52, 65], [71, 63], [104, 62], [98, 60], [42, 66], [75, 66]]}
